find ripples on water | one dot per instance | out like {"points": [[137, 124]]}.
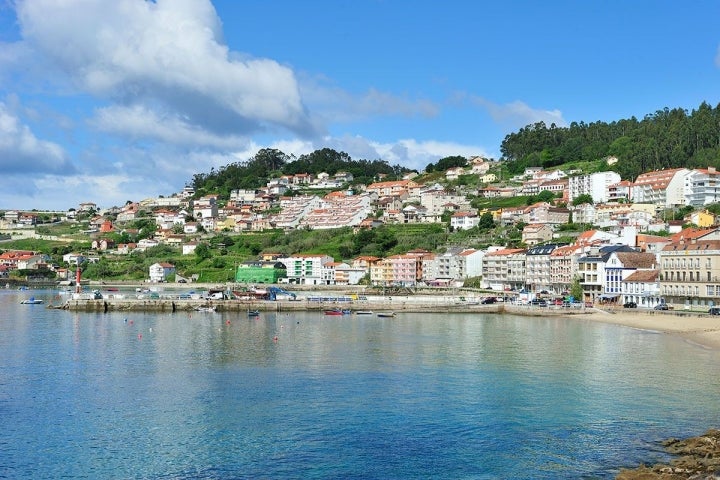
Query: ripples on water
{"points": [[181, 396]]}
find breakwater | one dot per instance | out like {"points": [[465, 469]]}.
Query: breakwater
{"points": [[410, 304]]}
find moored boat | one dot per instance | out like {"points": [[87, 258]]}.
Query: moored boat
{"points": [[211, 308], [334, 311], [253, 313], [386, 314], [363, 312], [32, 301]]}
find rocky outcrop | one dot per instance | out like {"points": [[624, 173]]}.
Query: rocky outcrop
{"points": [[698, 458]]}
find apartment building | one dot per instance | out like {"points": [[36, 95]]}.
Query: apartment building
{"points": [[690, 271]]}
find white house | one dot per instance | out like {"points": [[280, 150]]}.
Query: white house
{"points": [[160, 271]]}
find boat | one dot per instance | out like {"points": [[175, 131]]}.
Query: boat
{"points": [[210, 308], [386, 314], [364, 312], [346, 311], [32, 301], [334, 311], [253, 313]]}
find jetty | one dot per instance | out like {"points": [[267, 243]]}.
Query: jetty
{"points": [[409, 304]]}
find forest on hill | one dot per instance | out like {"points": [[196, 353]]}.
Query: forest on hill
{"points": [[668, 138], [271, 163]]}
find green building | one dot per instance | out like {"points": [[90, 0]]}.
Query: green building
{"points": [[258, 271]]}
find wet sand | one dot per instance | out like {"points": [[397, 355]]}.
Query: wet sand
{"points": [[698, 328]]}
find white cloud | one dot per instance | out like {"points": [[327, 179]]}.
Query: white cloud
{"points": [[168, 53], [138, 121], [333, 104], [513, 115], [409, 153], [22, 152]]}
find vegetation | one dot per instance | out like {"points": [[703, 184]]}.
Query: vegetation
{"points": [[665, 139], [272, 163]]}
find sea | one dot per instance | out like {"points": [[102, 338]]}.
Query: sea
{"points": [[205, 395]]}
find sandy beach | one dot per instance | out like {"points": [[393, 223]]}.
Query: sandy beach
{"points": [[698, 328]]}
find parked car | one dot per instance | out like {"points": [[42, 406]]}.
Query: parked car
{"points": [[714, 311], [538, 302], [489, 300], [661, 306], [630, 305]]}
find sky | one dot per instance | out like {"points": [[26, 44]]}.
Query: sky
{"points": [[109, 101]]}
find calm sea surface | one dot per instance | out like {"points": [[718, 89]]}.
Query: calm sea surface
{"points": [[215, 396]]}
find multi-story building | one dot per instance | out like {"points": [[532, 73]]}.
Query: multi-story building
{"points": [[619, 266], [563, 267], [306, 269], [690, 270], [397, 270], [663, 188], [504, 269], [538, 267], [597, 185], [702, 187], [591, 271], [642, 288]]}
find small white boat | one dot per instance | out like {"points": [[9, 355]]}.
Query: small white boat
{"points": [[386, 314], [206, 309], [32, 301]]}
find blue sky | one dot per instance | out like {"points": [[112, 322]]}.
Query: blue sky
{"points": [[116, 100]]}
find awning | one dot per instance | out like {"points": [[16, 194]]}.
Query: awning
{"points": [[608, 296]]}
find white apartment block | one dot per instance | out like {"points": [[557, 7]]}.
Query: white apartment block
{"points": [[663, 188], [596, 185], [306, 269], [702, 187]]}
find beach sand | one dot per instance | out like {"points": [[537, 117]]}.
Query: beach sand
{"points": [[697, 328]]}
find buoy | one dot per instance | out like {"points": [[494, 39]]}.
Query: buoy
{"points": [[131, 322], [275, 339], [139, 336], [126, 320], [151, 329], [228, 322]]}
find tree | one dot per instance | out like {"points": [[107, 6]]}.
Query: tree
{"points": [[486, 221], [576, 289], [581, 199], [202, 252]]}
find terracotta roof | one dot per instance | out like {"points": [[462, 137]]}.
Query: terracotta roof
{"points": [[643, 276], [637, 259]]}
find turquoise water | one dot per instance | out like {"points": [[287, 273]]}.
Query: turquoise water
{"points": [[215, 396]]}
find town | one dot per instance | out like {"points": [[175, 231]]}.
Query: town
{"points": [[632, 255]]}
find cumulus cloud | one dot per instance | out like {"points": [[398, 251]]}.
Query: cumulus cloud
{"points": [[22, 152], [334, 104], [515, 114], [168, 53], [138, 121], [409, 153]]}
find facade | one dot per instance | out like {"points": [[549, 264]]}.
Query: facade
{"points": [[690, 271], [597, 185], [538, 267], [702, 187], [260, 272], [536, 233], [663, 188], [305, 269], [397, 270], [592, 275], [642, 288], [619, 266], [504, 269], [160, 271]]}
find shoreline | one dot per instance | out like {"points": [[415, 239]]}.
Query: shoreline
{"points": [[695, 327], [698, 328]]}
